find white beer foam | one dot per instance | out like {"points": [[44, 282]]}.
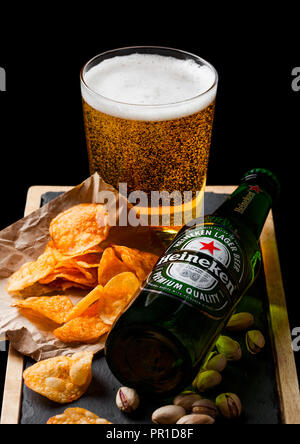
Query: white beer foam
{"points": [[149, 87]]}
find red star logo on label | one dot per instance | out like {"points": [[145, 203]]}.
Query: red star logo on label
{"points": [[210, 247], [255, 188]]}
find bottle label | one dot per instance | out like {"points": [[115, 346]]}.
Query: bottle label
{"points": [[205, 267]]}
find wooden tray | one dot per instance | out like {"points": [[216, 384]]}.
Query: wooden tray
{"points": [[287, 389]]}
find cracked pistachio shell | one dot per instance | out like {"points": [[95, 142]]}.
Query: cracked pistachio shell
{"points": [[186, 400], [229, 405], [127, 399], [205, 407], [240, 322], [230, 348], [255, 341], [206, 380]]}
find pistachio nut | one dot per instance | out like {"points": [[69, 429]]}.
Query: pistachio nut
{"points": [[230, 348], [168, 414], [229, 405], [205, 407], [255, 341], [186, 400], [240, 322], [196, 419], [127, 399], [206, 380], [216, 361]]}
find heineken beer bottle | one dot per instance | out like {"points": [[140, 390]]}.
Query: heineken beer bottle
{"points": [[158, 345]]}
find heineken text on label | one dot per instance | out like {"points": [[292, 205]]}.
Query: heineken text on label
{"points": [[253, 190], [204, 267]]}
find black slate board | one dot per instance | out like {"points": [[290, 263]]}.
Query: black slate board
{"points": [[253, 378]]}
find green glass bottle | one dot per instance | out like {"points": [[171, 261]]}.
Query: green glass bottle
{"points": [[158, 345]]}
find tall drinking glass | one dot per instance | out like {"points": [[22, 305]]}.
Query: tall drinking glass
{"points": [[148, 114]]}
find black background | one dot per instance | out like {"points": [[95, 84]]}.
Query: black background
{"points": [[257, 115]]}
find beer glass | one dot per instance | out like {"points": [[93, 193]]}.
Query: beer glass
{"points": [[148, 114]]}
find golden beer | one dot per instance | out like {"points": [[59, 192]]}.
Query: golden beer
{"points": [[156, 135]]}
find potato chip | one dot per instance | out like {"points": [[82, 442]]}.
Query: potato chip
{"points": [[110, 265], [90, 257], [42, 323], [77, 415], [61, 379], [33, 278], [96, 249], [72, 267], [139, 262], [118, 259], [117, 294], [36, 289], [79, 229], [90, 260], [93, 254], [72, 276], [55, 308], [83, 263], [124, 285], [65, 285], [85, 324], [93, 310], [83, 329], [85, 303], [32, 272], [80, 270]]}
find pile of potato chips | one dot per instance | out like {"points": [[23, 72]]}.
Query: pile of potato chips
{"points": [[74, 258]]}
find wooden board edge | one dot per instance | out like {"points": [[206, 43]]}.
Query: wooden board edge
{"points": [[12, 394], [220, 189], [287, 378], [35, 193]]}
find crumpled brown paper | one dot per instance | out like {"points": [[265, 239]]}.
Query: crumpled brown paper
{"points": [[26, 240]]}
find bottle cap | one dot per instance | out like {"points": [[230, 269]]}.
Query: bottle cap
{"points": [[264, 179]]}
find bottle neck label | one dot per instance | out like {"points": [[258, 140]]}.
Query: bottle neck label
{"points": [[250, 194], [249, 205], [205, 267]]}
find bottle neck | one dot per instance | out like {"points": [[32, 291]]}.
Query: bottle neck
{"points": [[249, 205]]}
